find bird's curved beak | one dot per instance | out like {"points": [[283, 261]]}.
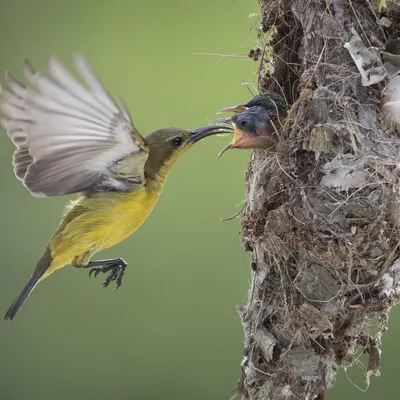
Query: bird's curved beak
{"points": [[201, 133], [236, 109], [242, 140]]}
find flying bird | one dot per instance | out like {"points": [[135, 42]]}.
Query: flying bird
{"points": [[256, 122], [74, 138]]}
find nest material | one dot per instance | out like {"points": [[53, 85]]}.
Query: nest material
{"points": [[322, 218]]}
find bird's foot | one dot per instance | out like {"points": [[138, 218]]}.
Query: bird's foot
{"points": [[115, 267], [116, 272]]}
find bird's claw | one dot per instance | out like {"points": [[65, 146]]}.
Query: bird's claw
{"points": [[95, 271], [116, 272]]}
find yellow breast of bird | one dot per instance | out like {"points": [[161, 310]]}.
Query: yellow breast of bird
{"points": [[100, 221]]}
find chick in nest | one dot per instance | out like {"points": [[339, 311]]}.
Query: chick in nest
{"points": [[256, 122]]}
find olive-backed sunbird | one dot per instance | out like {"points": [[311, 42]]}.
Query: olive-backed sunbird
{"points": [[74, 138], [256, 123]]}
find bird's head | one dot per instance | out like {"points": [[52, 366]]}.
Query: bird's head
{"points": [[168, 145], [256, 122], [272, 102], [253, 129]]}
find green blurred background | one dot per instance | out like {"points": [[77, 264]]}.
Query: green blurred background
{"points": [[172, 331]]}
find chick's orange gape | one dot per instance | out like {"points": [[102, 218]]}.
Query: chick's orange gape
{"points": [[75, 139], [256, 122]]}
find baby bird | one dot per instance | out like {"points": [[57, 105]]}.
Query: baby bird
{"points": [[256, 122]]}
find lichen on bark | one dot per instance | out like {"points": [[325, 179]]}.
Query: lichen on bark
{"points": [[322, 214]]}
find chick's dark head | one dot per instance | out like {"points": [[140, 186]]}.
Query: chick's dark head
{"points": [[272, 102], [253, 129]]}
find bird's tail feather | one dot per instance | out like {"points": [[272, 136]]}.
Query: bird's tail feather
{"points": [[41, 267]]}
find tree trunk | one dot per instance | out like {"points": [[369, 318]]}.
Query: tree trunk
{"points": [[322, 215]]}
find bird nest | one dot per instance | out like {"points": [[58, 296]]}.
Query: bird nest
{"points": [[323, 211]]}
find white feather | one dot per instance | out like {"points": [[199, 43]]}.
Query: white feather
{"points": [[74, 133], [97, 89]]}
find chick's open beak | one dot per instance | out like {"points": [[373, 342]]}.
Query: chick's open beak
{"points": [[236, 109], [243, 140], [201, 133], [227, 120], [239, 138]]}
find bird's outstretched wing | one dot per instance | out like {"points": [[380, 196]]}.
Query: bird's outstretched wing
{"points": [[69, 137]]}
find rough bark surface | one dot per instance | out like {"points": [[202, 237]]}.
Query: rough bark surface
{"points": [[322, 215]]}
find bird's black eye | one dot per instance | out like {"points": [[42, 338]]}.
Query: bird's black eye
{"points": [[243, 123], [258, 103], [176, 141]]}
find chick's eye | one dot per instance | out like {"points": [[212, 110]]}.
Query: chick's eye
{"points": [[243, 123], [258, 103], [176, 141]]}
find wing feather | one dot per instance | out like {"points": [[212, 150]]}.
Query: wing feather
{"points": [[97, 89], [21, 161], [60, 96], [68, 136]]}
